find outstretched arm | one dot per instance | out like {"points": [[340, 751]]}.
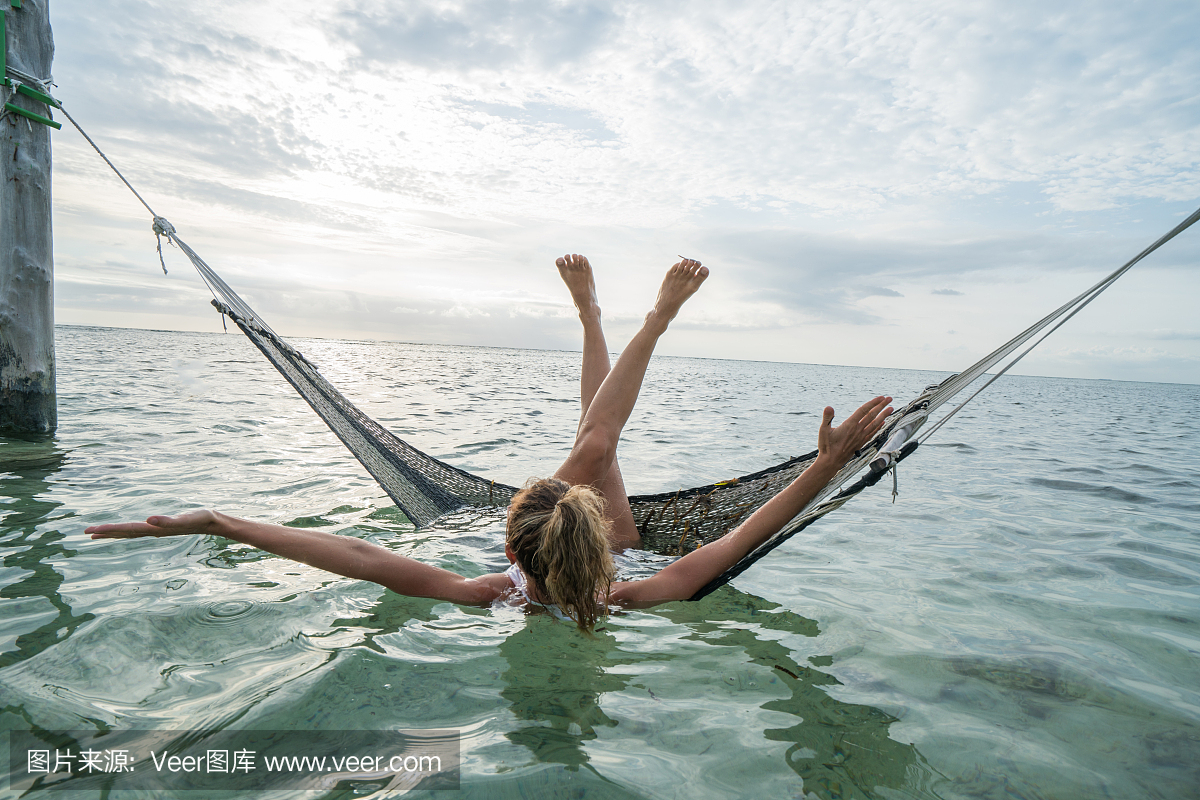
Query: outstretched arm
{"points": [[685, 577], [342, 555]]}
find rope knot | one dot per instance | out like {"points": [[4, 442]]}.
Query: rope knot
{"points": [[163, 228]]}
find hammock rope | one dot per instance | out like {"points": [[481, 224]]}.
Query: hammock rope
{"points": [[671, 523], [1076, 305]]}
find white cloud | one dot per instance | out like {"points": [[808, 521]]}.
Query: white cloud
{"points": [[465, 312], [1173, 335], [837, 164]]}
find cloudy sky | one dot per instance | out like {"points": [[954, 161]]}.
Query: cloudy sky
{"points": [[899, 184]]}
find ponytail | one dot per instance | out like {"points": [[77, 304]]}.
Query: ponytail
{"points": [[559, 534]]}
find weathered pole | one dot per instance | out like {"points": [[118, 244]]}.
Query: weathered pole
{"points": [[28, 402]]}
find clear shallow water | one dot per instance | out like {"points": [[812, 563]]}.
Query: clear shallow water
{"points": [[1024, 622]]}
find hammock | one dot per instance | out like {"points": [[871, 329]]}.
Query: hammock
{"points": [[670, 523]]}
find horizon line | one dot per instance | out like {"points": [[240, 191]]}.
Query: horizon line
{"points": [[696, 358]]}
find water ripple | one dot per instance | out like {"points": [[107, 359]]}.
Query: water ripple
{"points": [[1022, 622]]}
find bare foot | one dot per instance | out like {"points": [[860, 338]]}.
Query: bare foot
{"points": [[576, 273], [682, 281]]}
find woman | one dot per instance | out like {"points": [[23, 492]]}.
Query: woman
{"points": [[561, 530]]}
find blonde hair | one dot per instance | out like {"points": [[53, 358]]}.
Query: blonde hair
{"points": [[559, 534]]}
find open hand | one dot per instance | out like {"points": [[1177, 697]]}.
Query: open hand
{"points": [[841, 443], [203, 522]]}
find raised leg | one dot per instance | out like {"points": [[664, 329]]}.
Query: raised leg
{"points": [[576, 273], [624, 533], [606, 408]]}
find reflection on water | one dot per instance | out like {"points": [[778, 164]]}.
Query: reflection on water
{"points": [[33, 615], [837, 748], [555, 682]]}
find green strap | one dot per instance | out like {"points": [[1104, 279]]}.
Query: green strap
{"points": [[32, 116], [22, 88], [36, 95]]}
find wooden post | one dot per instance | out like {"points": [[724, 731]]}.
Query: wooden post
{"points": [[27, 390]]}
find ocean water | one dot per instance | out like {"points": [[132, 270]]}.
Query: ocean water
{"points": [[1023, 622]]}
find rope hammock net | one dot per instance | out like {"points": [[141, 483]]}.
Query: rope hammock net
{"points": [[671, 523]]}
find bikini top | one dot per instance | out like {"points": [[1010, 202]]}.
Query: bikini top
{"points": [[521, 583]]}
